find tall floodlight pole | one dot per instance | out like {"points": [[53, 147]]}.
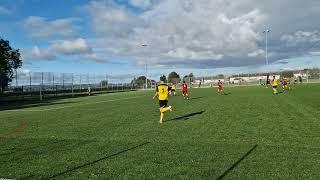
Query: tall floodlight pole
{"points": [[145, 45], [266, 33]]}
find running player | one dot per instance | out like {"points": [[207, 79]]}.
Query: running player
{"points": [[89, 90], [284, 84], [173, 89], [185, 90], [219, 87], [275, 85], [162, 92]]}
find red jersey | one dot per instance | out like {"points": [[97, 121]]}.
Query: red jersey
{"points": [[284, 81], [184, 87], [220, 84]]}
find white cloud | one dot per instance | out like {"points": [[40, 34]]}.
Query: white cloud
{"points": [[315, 53], [41, 54], [75, 46], [256, 53], [110, 21], [179, 30], [187, 54], [4, 10], [94, 57], [41, 28], [215, 32], [301, 38], [142, 4]]}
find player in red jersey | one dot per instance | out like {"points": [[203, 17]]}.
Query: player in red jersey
{"points": [[185, 90], [285, 84], [219, 86]]}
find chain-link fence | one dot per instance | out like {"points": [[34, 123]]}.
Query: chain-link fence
{"points": [[47, 84]]}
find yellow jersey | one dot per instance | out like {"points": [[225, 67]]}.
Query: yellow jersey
{"points": [[173, 87], [163, 91], [275, 82]]}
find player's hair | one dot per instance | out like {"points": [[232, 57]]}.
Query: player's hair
{"points": [[184, 81]]}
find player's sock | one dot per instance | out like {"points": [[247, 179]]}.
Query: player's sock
{"points": [[161, 117]]}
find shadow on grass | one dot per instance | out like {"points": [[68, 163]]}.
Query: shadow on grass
{"points": [[186, 117], [96, 161], [226, 93], [237, 162]]}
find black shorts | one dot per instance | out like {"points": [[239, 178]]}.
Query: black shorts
{"points": [[275, 87], [163, 103], [173, 90]]}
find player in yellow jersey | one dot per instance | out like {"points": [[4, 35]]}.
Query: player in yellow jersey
{"points": [[162, 92], [173, 89], [275, 85]]}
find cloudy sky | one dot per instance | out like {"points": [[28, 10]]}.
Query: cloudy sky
{"points": [[201, 36]]}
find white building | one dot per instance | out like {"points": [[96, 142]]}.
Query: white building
{"points": [[237, 80]]}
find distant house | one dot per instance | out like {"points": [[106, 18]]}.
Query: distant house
{"points": [[251, 78]]}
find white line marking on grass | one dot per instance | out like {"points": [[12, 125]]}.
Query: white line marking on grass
{"points": [[57, 108]]}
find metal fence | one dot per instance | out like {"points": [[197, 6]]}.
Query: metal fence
{"points": [[48, 84]]}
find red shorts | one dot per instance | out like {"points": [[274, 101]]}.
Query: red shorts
{"points": [[220, 88], [184, 92]]}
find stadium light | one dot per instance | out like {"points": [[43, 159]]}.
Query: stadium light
{"points": [[145, 45], [266, 33]]}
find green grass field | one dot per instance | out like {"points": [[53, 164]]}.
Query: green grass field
{"points": [[247, 134]]}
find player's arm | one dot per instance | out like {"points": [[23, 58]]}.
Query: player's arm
{"points": [[155, 95]]}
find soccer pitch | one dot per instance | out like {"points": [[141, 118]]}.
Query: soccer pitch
{"points": [[249, 133]]}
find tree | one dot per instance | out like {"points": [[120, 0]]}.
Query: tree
{"points": [[288, 74], [103, 83], [163, 78], [140, 81], [174, 77], [10, 61], [314, 73], [220, 76], [191, 76]]}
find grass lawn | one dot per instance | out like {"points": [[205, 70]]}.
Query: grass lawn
{"points": [[247, 134]]}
